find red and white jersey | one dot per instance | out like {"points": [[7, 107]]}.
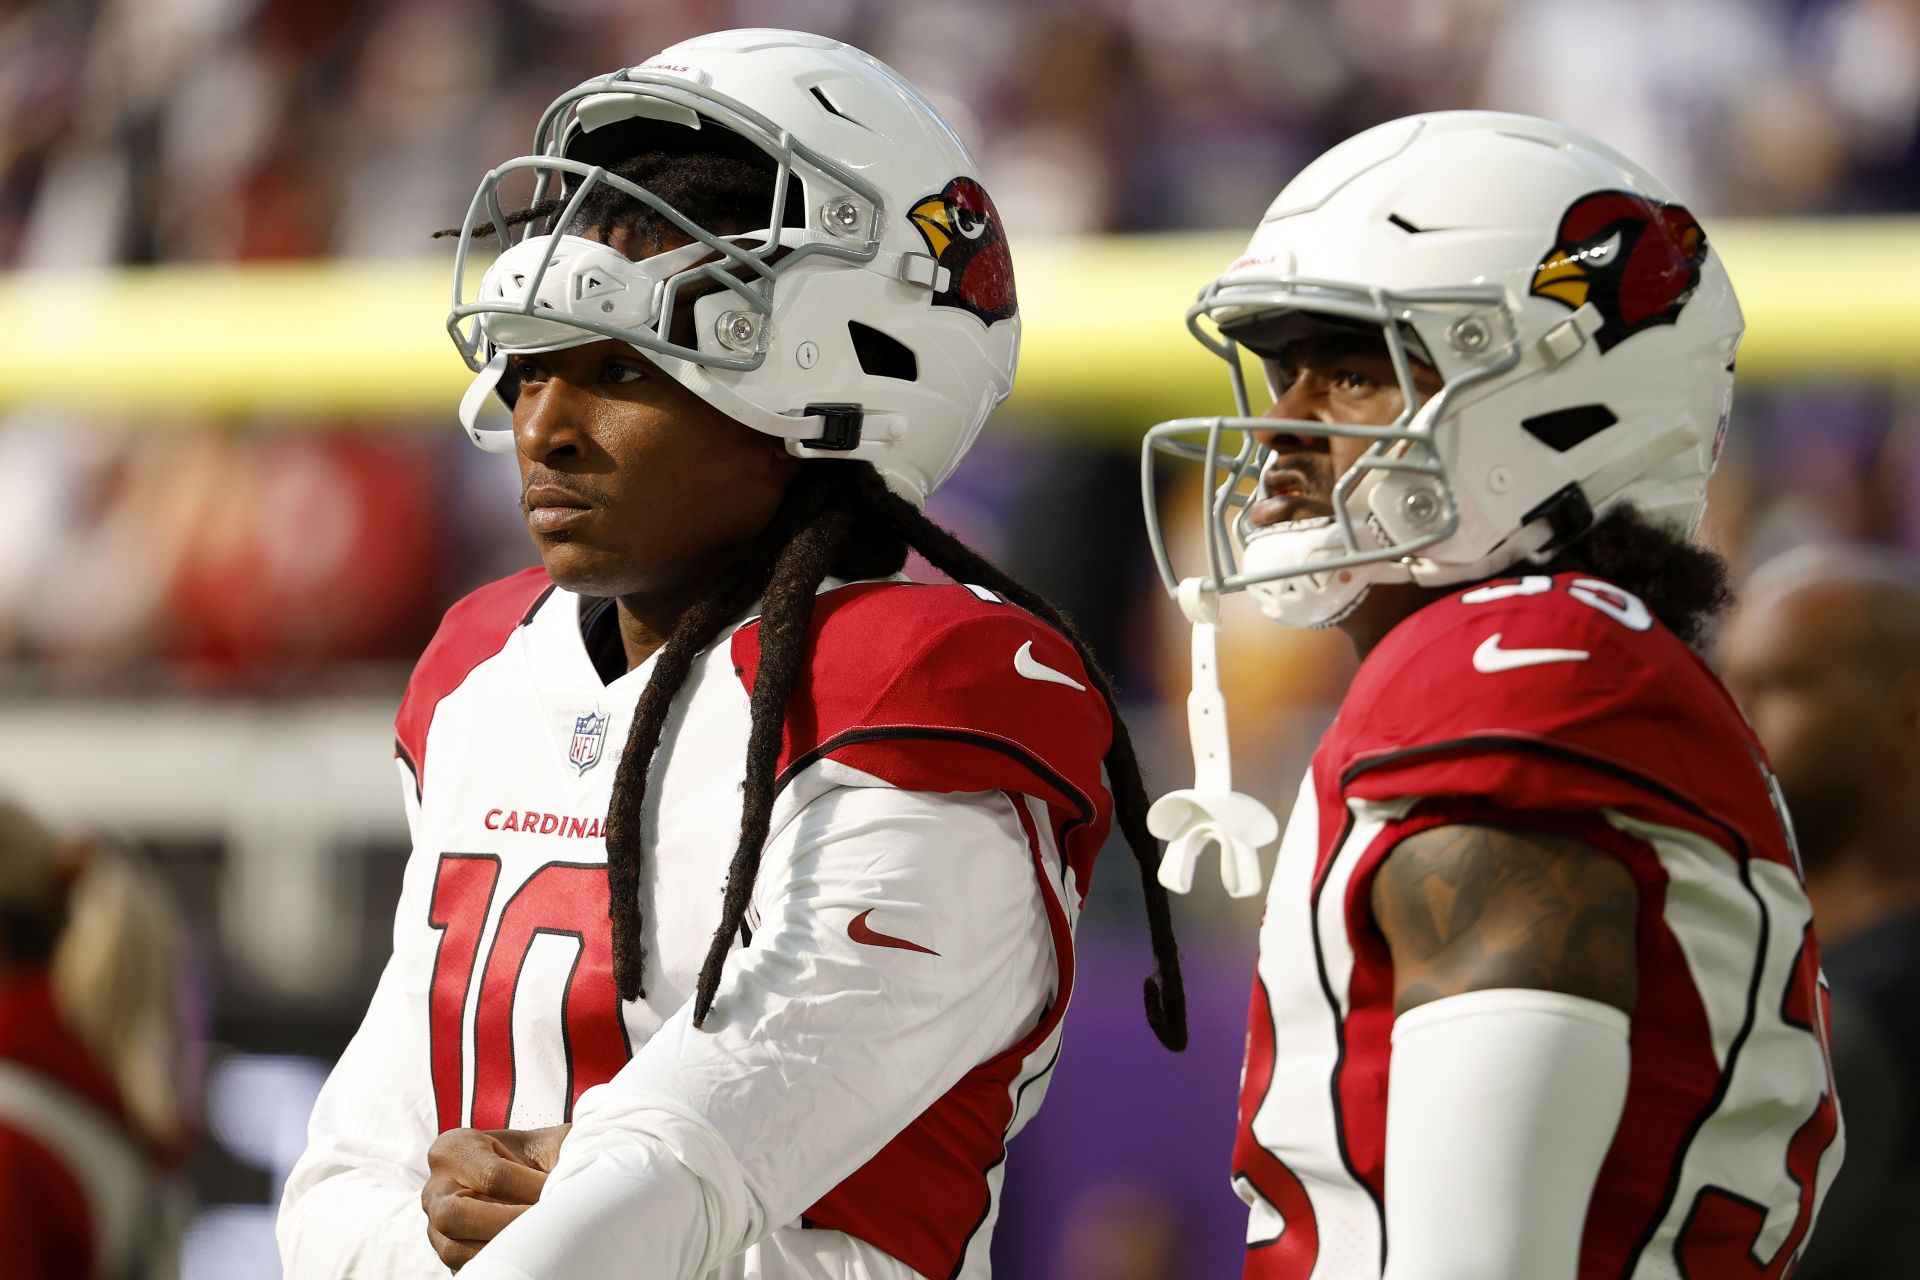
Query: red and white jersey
{"points": [[1557, 704], [889, 1018], [80, 1194]]}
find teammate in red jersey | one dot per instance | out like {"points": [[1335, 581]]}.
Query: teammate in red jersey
{"points": [[93, 1072], [767, 990], [1538, 993]]}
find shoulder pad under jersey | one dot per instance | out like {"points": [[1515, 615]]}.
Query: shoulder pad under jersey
{"points": [[1561, 692], [943, 688], [473, 630]]}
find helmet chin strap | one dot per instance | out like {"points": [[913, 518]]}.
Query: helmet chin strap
{"points": [[1210, 812]]}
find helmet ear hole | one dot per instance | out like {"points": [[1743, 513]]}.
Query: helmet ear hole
{"points": [[1562, 429], [882, 356]]}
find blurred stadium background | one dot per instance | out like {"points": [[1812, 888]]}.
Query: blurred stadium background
{"points": [[235, 506]]}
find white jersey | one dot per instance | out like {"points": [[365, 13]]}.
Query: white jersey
{"points": [[1620, 736], [885, 1024]]}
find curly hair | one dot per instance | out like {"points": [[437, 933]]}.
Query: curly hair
{"points": [[1682, 582], [838, 518]]}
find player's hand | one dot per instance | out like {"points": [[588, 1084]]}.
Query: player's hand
{"points": [[480, 1180]]}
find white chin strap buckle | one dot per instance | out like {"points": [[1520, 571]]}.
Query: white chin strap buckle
{"points": [[1210, 812], [479, 410]]}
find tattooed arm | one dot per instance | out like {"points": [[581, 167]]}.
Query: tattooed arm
{"points": [[1472, 908], [1514, 973]]}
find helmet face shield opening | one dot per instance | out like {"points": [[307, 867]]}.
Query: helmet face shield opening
{"points": [[1395, 500], [598, 296]]}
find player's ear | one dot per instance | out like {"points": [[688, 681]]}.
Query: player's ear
{"points": [[780, 466]]}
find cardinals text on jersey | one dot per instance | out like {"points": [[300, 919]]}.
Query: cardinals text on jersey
{"points": [[502, 1003], [1555, 703]]}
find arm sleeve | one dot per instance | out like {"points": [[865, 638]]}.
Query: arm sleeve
{"points": [[819, 1048], [1501, 1107], [351, 1206]]}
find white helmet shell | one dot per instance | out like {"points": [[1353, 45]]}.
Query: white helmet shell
{"points": [[1582, 325], [878, 322]]}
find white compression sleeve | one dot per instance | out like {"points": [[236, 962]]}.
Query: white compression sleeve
{"points": [[1501, 1106]]}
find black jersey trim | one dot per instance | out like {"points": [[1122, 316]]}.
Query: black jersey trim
{"points": [[1084, 809], [986, 1175], [1339, 1035], [1555, 751], [534, 608], [413, 769]]}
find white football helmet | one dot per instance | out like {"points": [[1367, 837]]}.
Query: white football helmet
{"points": [[1582, 326], [887, 331], [1583, 331]]}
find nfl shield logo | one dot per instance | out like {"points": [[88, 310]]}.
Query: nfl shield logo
{"points": [[589, 735]]}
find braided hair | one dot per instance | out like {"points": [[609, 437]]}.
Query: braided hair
{"points": [[838, 519]]}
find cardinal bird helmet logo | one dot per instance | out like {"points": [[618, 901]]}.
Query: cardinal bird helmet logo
{"points": [[1637, 260], [963, 233]]}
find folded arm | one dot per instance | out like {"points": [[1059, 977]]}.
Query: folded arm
{"points": [[903, 941]]}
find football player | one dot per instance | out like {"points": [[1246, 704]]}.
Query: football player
{"points": [[738, 926], [1538, 992]]}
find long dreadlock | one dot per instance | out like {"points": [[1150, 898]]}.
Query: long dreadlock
{"points": [[839, 519]]}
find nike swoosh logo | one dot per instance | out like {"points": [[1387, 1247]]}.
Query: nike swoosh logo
{"points": [[860, 931], [1033, 669], [1490, 657]]}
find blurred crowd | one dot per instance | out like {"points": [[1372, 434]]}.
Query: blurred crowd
{"points": [[217, 130], [267, 559], [208, 554]]}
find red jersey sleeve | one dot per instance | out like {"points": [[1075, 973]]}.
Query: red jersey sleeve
{"points": [[1553, 695], [948, 689], [473, 630]]}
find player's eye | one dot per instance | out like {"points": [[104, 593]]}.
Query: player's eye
{"points": [[528, 370], [620, 373], [1353, 380]]}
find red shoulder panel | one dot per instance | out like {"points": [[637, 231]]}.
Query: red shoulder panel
{"points": [[934, 688], [474, 630], [1553, 692]]}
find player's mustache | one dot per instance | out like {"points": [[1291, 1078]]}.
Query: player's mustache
{"points": [[547, 478], [1313, 470]]}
